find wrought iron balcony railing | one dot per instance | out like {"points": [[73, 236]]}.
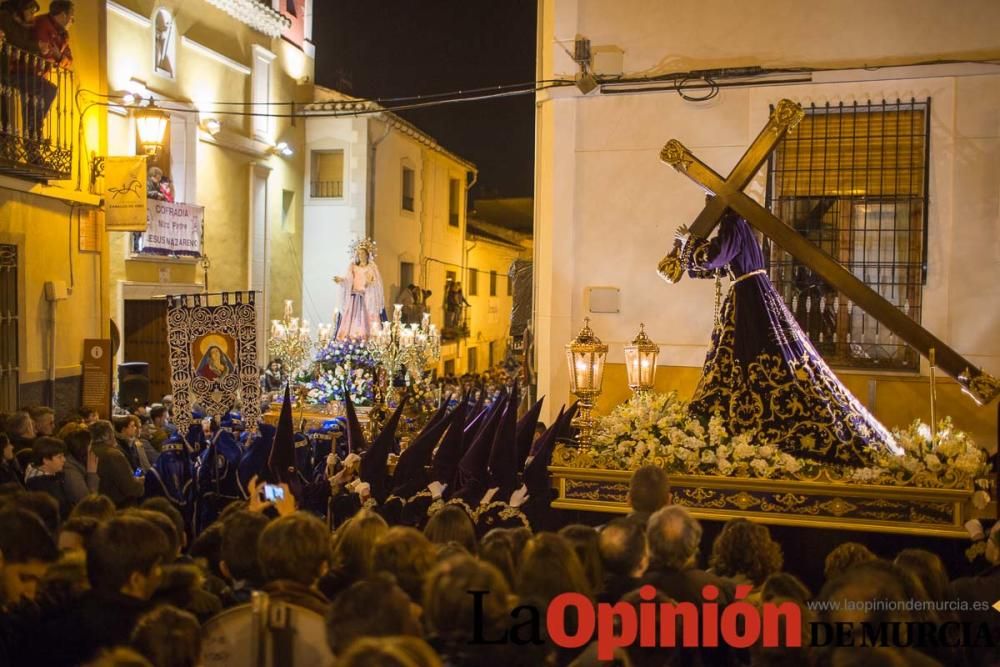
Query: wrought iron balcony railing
{"points": [[36, 116]]}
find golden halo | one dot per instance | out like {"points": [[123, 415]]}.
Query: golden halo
{"points": [[213, 339]]}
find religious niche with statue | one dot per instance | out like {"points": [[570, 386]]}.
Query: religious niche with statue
{"points": [[771, 431], [365, 355]]}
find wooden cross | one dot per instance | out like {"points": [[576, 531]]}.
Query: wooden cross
{"points": [[729, 194]]}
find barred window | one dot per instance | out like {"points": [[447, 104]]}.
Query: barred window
{"points": [[9, 358], [852, 178]]}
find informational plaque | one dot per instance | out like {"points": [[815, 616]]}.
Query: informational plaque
{"points": [[125, 193], [97, 375]]}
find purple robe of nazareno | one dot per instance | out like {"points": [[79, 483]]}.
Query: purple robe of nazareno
{"points": [[762, 375]]}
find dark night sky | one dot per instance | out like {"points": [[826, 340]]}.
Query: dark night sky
{"points": [[392, 48]]}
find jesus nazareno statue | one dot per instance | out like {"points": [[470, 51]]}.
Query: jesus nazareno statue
{"points": [[762, 375]]}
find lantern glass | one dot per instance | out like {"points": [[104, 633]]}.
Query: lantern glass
{"points": [[640, 362], [151, 125]]}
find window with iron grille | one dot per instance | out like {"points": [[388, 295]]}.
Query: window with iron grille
{"points": [[327, 178], [9, 366], [852, 178], [493, 283]]}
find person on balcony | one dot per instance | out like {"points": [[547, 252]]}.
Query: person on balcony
{"points": [[52, 39], [454, 303]]}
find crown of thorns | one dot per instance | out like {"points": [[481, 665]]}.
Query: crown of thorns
{"points": [[364, 244]]}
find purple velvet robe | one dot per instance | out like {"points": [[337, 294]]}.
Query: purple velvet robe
{"points": [[763, 375]]}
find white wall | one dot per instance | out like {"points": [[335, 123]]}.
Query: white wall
{"points": [[331, 224], [606, 207]]}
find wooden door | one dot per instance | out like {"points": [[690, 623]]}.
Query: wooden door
{"points": [[146, 340]]}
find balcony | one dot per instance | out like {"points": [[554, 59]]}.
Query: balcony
{"points": [[326, 189], [36, 117]]}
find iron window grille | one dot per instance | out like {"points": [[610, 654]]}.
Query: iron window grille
{"points": [[853, 179]]}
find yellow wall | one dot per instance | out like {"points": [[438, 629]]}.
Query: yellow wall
{"points": [[224, 165], [489, 315], [46, 234]]}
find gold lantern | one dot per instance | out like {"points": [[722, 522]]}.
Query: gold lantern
{"points": [[151, 124], [640, 362], [586, 356]]}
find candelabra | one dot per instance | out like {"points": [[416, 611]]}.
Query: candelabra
{"points": [[291, 341], [405, 347]]}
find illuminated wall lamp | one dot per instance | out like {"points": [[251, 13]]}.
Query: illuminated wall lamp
{"points": [[212, 126], [282, 148], [151, 124]]}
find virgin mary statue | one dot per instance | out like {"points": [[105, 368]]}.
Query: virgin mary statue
{"points": [[762, 375], [363, 301]]}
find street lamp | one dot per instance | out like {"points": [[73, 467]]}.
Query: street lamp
{"points": [[640, 362], [586, 356], [151, 124]]}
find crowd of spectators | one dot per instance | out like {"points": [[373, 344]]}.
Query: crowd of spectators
{"points": [[92, 573]]}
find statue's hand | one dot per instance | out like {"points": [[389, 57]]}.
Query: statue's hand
{"points": [[682, 234], [338, 279]]}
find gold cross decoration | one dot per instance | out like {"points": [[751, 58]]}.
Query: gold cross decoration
{"points": [[728, 194]]}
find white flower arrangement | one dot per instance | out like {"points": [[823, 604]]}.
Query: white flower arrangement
{"points": [[657, 429]]}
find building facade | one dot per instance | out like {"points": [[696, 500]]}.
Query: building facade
{"points": [[227, 73], [917, 218], [53, 265]]}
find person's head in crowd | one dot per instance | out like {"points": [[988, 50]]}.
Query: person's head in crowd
{"points": [[745, 549], [653, 656], [125, 556], [452, 524], [863, 584], [119, 656], [584, 542], [355, 542], [674, 538], [844, 557], [296, 548], [519, 538], [43, 419], [374, 607], [88, 415], [6, 447], [168, 637], [27, 549], [448, 606], [19, 426], [549, 566], [784, 586], [127, 426], [49, 454], [622, 547], [928, 569], [158, 416], [168, 402], [69, 428], [102, 432], [167, 509], [172, 546], [238, 555], [24, 10], [407, 555], [206, 549], [75, 533], [649, 489], [94, 505], [497, 548], [66, 578], [42, 504], [390, 652]]}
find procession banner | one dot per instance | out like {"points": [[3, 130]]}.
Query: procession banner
{"points": [[213, 355], [125, 193], [173, 229]]}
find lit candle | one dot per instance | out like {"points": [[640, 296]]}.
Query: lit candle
{"points": [[275, 327], [288, 308], [397, 312], [425, 321]]}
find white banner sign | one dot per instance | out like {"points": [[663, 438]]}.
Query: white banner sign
{"points": [[173, 229]]}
